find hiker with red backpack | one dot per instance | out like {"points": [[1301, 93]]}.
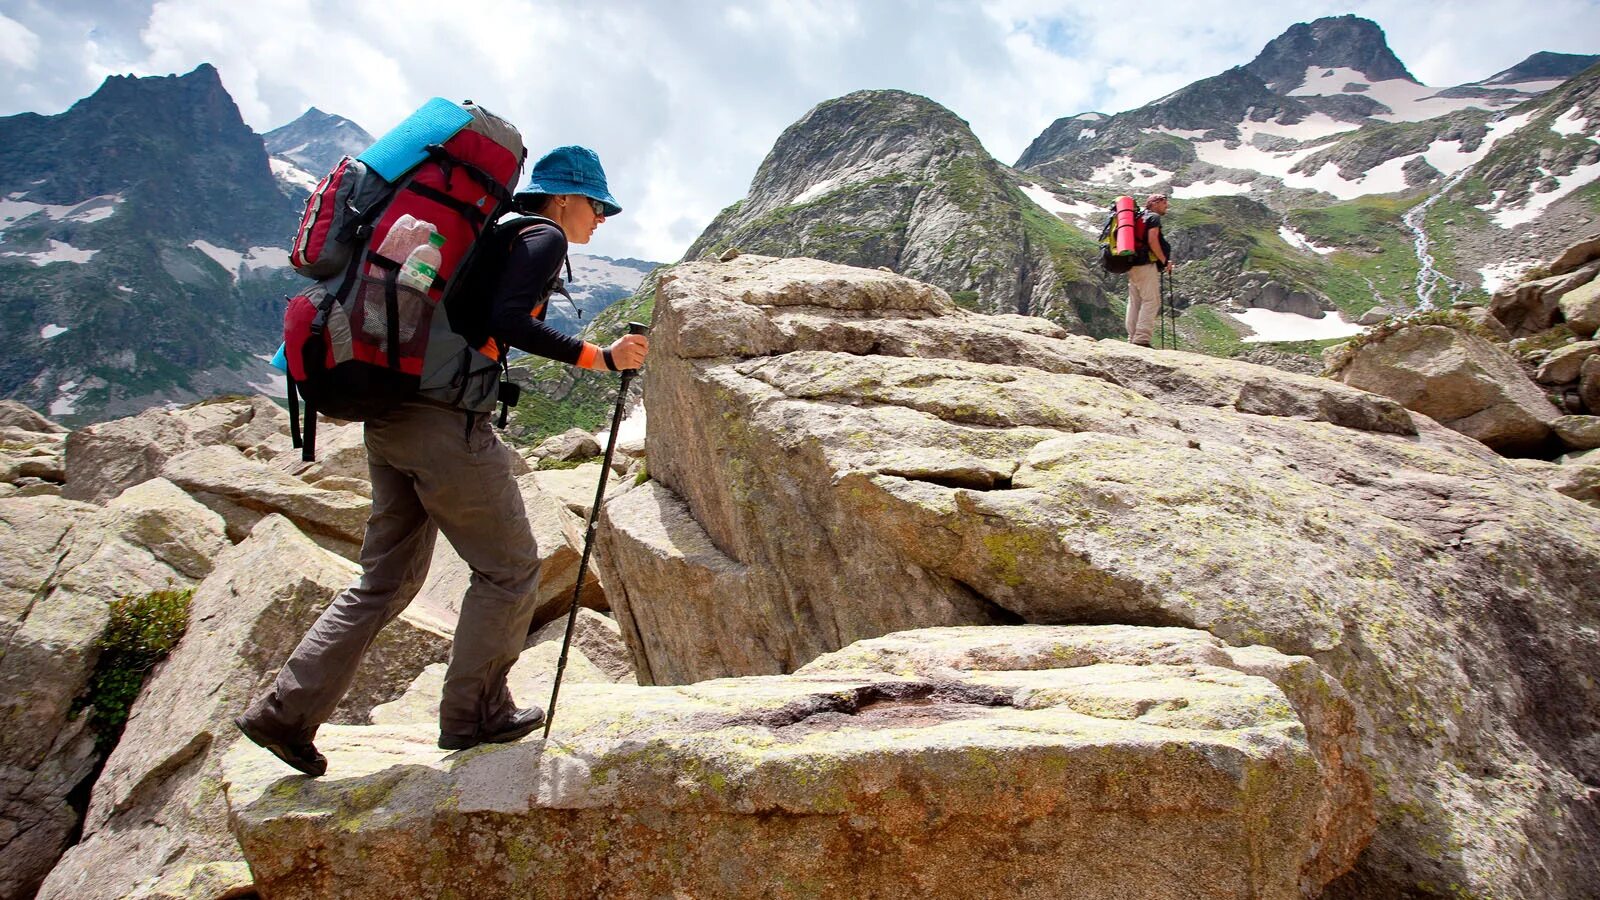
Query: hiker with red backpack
{"points": [[1144, 278], [436, 463]]}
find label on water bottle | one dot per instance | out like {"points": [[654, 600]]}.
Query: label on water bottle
{"points": [[418, 275]]}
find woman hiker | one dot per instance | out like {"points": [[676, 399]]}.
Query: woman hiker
{"points": [[428, 475]]}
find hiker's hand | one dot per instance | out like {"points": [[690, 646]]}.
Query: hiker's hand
{"points": [[628, 351]]}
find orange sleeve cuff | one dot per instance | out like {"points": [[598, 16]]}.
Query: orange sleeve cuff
{"points": [[590, 358]]}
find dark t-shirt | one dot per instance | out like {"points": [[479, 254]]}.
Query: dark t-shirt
{"points": [[517, 314], [1153, 221]]}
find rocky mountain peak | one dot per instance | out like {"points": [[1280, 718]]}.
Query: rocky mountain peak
{"points": [[854, 138], [1544, 66], [317, 140], [1334, 42], [175, 146], [893, 180]]}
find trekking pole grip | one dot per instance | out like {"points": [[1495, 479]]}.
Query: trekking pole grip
{"points": [[634, 328]]}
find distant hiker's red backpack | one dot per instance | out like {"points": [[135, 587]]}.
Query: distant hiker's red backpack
{"points": [[385, 233], [1124, 241]]}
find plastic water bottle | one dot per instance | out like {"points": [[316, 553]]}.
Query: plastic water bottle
{"points": [[422, 263]]}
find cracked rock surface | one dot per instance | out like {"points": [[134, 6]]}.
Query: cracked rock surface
{"points": [[1034, 762], [837, 454]]}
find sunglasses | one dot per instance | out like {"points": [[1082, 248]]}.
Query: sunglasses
{"points": [[598, 207]]}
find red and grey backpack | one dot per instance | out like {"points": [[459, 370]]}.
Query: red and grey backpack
{"points": [[1124, 241], [368, 335]]}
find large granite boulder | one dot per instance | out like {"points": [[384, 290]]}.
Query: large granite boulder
{"points": [[1464, 382], [157, 823], [105, 458], [1578, 254], [1564, 364], [1533, 306], [64, 563], [575, 487], [16, 415], [572, 445], [341, 454], [28, 458], [1162, 768], [837, 454], [1580, 308], [243, 491]]}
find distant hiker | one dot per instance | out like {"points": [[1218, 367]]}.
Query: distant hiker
{"points": [[436, 465], [1144, 279]]}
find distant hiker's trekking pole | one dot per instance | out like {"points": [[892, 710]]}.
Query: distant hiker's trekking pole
{"points": [[1169, 311], [1167, 303], [588, 533]]}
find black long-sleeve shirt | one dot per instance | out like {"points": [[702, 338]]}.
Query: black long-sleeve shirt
{"points": [[518, 306]]}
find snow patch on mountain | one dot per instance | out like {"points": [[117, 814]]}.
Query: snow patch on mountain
{"points": [[58, 252], [592, 270], [68, 393], [1410, 102], [1050, 202], [1276, 163], [266, 258], [1123, 170], [1504, 274], [1314, 127], [1537, 87], [1448, 160], [1514, 215], [1209, 189], [1573, 122], [1271, 326], [1386, 178], [14, 209], [1296, 239], [237, 262], [291, 174], [230, 260]]}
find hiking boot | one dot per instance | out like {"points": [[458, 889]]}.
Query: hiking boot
{"points": [[518, 725], [301, 755]]}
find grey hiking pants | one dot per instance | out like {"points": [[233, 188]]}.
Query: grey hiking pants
{"points": [[429, 473]]}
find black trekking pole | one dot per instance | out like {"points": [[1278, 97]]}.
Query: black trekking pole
{"points": [[1169, 305], [588, 533], [1161, 308]]}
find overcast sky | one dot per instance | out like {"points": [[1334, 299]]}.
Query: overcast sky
{"points": [[683, 98]]}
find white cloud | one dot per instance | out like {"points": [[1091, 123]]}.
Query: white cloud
{"points": [[683, 100], [19, 47]]}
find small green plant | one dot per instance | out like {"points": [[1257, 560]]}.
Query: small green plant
{"points": [[143, 630]]}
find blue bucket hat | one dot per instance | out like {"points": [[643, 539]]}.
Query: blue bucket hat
{"points": [[571, 170]]}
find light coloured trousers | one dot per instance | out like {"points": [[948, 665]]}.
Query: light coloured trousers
{"points": [[1144, 302], [431, 471]]}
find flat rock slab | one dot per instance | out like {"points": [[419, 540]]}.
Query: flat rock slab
{"points": [[1084, 779]]}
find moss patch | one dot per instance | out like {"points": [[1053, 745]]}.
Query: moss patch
{"points": [[143, 630]]}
